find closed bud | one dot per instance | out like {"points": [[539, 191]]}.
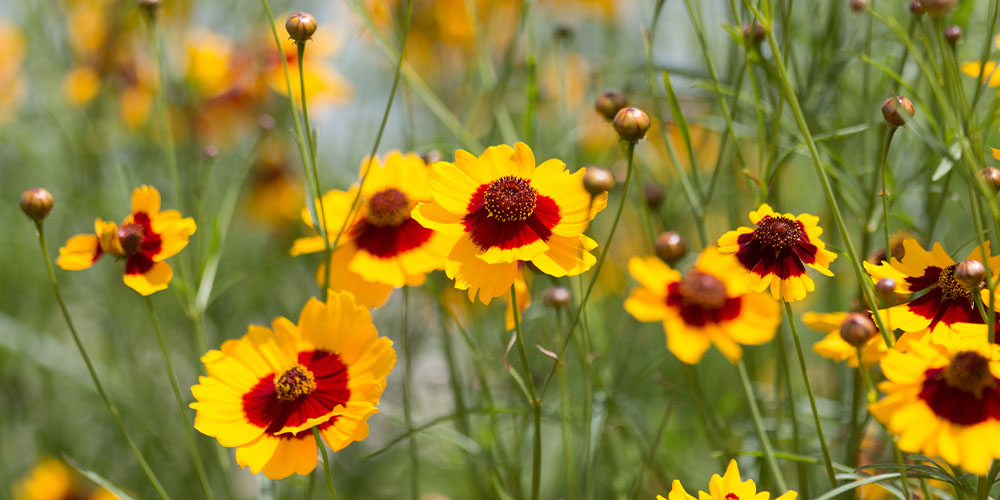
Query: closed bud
{"points": [[300, 26], [653, 194], [597, 180], [917, 8], [631, 124], [150, 6], [857, 329], [609, 103], [859, 5], [670, 246], [557, 297], [992, 177], [897, 110], [886, 288], [970, 273], [938, 7], [754, 33], [210, 152], [563, 32], [36, 203], [432, 156], [952, 34]]}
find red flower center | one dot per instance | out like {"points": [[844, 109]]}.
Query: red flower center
{"points": [[777, 232], [510, 199], [294, 383], [732, 496], [969, 371], [964, 392], [131, 236], [950, 287], [702, 289], [389, 207]]}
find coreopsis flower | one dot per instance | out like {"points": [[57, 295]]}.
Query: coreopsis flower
{"points": [[776, 251], [144, 240], [50, 479], [835, 348], [384, 246], [943, 302], [944, 401], [711, 304], [324, 86], [266, 391], [12, 84], [274, 195], [726, 487], [989, 69], [505, 210]]}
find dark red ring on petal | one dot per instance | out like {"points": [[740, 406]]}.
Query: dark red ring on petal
{"points": [[386, 242], [955, 405], [784, 263], [487, 232], [697, 315], [142, 261]]}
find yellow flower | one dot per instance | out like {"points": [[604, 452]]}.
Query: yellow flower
{"points": [[726, 487], [711, 304], [323, 85], [11, 58], [266, 391], [944, 401], [835, 348], [144, 240], [505, 210], [990, 73], [50, 479], [777, 250]]}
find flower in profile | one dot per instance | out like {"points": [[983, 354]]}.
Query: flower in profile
{"points": [[988, 69], [144, 240], [777, 250], [944, 401], [266, 391], [835, 348], [942, 301], [384, 247], [505, 210], [50, 479], [711, 304], [726, 487]]}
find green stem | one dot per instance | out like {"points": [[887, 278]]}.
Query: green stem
{"points": [[112, 409], [407, 398], [885, 189], [758, 425], [660, 429], [803, 474], [166, 135], [327, 473], [536, 402], [566, 419], [812, 399], [188, 434]]}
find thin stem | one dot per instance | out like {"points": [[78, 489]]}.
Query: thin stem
{"points": [[812, 399], [536, 402], [112, 409], [758, 425], [885, 188], [326, 463], [408, 398], [566, 418], [803, 475], [660, 429], [166, 135], [188, 434]]}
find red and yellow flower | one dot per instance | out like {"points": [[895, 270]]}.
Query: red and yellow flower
{"points": [[384, 247], [835, 348], [711, 304], [505, 210], [943, 302], [144, 240], [726, 487], [777, 250], [944, 401], [266, 391]]}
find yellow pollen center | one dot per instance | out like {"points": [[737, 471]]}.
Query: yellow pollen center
{"points": [[294, 383], [702, 289], [969, 371], [777, 232], [950, 287], [130, 236], [389, 207], [510, 199]]}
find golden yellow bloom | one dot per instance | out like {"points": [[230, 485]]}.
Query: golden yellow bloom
{"points": [[50, 479], [835, 348], [11, 79], [990, 74], [725, 487], [324, 86]]}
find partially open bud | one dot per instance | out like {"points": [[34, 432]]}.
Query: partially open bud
{"points": [[917, 8], [609, 103], [670, 246], [858, 5], [597, 180], [36, 203], [754, 33], [970, 273], [952, 34], [886, 288], [897, 110], [653, 193], [300, 26], [992, 176], [938, 7], [557, 297], [631, 124], [857, 329]]}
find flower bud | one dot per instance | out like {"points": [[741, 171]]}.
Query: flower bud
{"points": [[970, 273], [210, 152], [896, 110], [654, 194], [631, 124], [754, 33], [917, 8], [992, 176], [857, 329], [858, 6], [886, 288], [670, 246], [597, 180], [557, 297], [150, 6], [952, 34], [36, 203], [300, 26], [432, 156], [609, 103], [563, 32], [938, 7]]}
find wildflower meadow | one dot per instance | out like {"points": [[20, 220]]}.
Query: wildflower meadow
{"points": [[500, 249]]}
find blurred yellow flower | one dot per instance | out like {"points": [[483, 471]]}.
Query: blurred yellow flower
{"points": [[324, 86], [50, 479], [990, 73], [11, 78], [726, 487]]}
